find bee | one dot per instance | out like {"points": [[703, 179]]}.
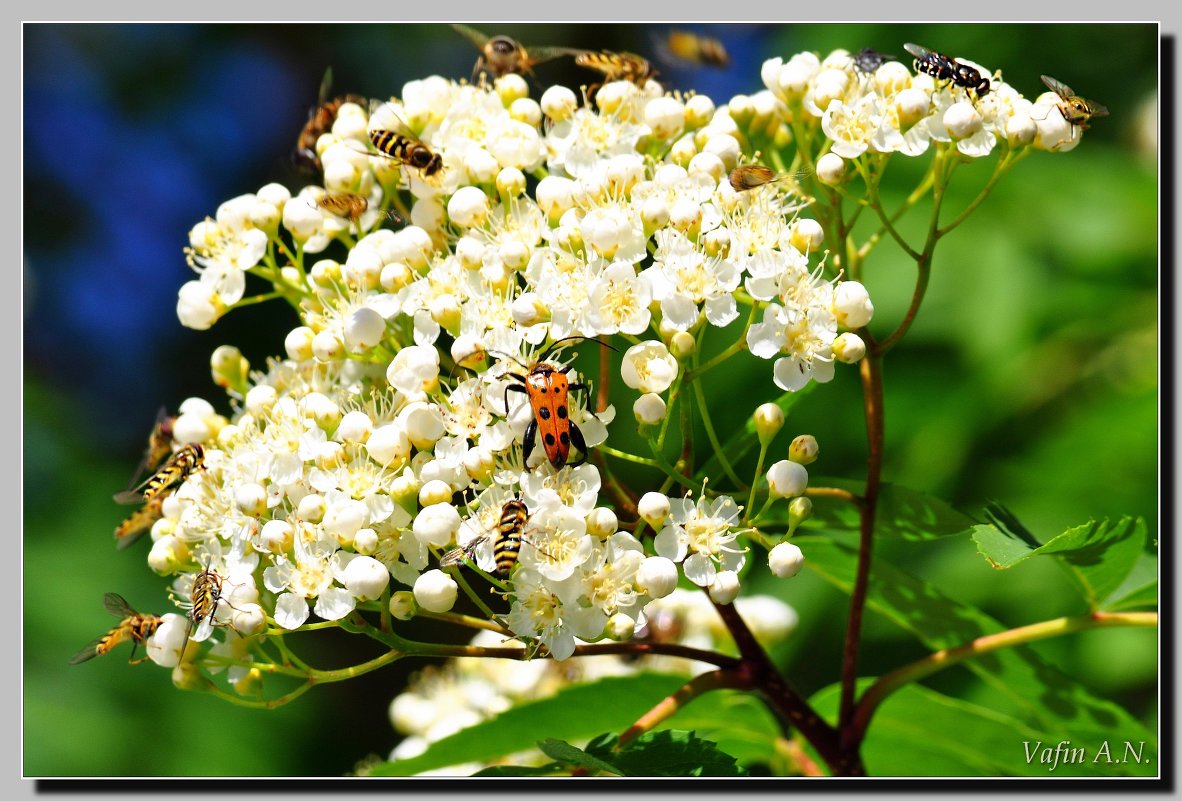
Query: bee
{"points": [[139, 522], [134, 626], [868, 59], [1075, 109], [320, 120], [506, 546], [188, 460], [501, 55], [751, 176], [945, 68], [616, 66], [695, 49]]}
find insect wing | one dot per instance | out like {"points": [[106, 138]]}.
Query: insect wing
{"points": [[919, 51], [118, 606], [471, 34], [93, 647], [1059, 88]]}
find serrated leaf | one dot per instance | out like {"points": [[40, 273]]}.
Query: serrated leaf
{"points": [[674, 753], [920, 732], [738, 722], [1098, 555], [565, 753], [746, 439], [1031, 688], [902, 513], [574, 713]]}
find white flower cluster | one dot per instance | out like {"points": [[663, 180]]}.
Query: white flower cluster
{"points": [[440, 701]]}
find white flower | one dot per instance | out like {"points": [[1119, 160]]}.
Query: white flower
{"points": [[656, 576], [787, 479], [701, 534], [648, 367], [550, 612], [785, 560], [435, 591]]}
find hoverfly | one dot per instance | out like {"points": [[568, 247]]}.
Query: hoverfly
{"points": [[320, 120], [134, 626], [501, 55], [1075, 109], [506, 546], [204, 596], [692, 48], [868, 59], [616, 66], [406, 147], [946, 68], [547, 387], [139, 522], [183, 463]]}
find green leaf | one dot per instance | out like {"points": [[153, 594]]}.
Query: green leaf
{"points": [[567, 754], [745, 439], [1032, 689], [667, 753], [518, 770], [920, 732], [738, 722], [1139, 589], [574, 713], [1099, 556], [903, 513]]}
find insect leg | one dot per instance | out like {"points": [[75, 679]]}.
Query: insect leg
{"points": [[527, 444], [576, 438]]}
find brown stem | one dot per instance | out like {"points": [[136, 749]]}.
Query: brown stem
{"points": [[871, 371], [667, 707], [623, 497], [787, 704]]}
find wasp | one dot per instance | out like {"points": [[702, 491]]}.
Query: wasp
{"points": [[139, 522], [868, 59], [501, 55], [946, 68], [616, 66], [506, 546], [320, 120], [1075, 109], [547, 388], [695, 49], [179, 466], [134, 626]]}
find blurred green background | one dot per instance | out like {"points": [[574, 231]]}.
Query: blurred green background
{"points": [[1030, 375]]}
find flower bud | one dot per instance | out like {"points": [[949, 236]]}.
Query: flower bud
{"points": [[437, 524], [355, 426], [804, 449], [327, 346], [251, 499], [558, 103], [653, 507], [250, 682], [260, 399], [684, 150], [912, 105], [656, 576], [769, 419], [468, 206], [229, 368], [682, 344], [849, 348], [298, 343], [807, 235], [785, 560], [311, 509], [800, 509], [698, 110], [649, 409], [511, 182], [366, 578], [707, 163], [619, 627], [364, 329], [248, 619], [962, 120], [725, 587], [433, 492], [1020, 129], [402, 605], [435, 591], [665, 115], [276, 535], [365, 541], [168, 555], [851, 305], [787, 479], [388, 445], [527, 110], [479, 463], [602, 522], [830, 168], [511, 87]]}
